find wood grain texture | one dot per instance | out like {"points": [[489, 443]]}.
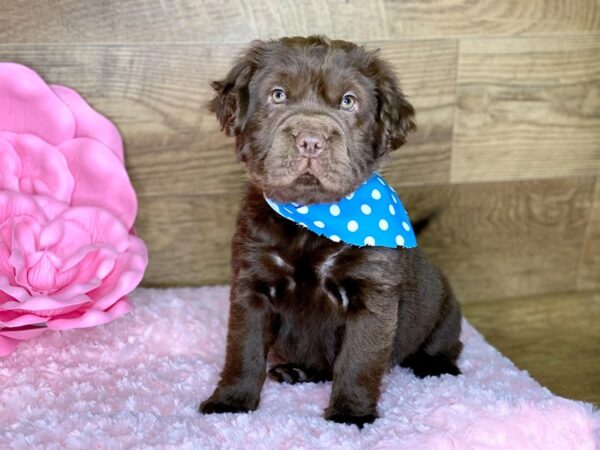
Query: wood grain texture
{"points": [[427, 73], [498, 240], [342, 19], [492, 240], [555, 338], [527, 108], [188, 238], [505, 91], [158, 94], [589, 264], [115, 21], [485, 17]]}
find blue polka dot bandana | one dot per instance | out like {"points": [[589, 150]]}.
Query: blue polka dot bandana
{"points": [[372, 215]]}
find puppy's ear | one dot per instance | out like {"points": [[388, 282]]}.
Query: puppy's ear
{"points": [[395, 114], [231, 100]]}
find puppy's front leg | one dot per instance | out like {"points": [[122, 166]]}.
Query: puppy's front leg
{"points": [[249, 337], [361, 363]]}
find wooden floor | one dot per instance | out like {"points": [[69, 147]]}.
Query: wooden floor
{"points": [[555, 338]]}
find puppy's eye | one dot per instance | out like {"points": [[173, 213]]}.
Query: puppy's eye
{"points": [[278, 96], [348, 102]]}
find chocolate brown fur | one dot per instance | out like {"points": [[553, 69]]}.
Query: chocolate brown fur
{"points": [[322, 310]]}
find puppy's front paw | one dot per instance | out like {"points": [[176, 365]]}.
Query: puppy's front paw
{"points": [[219, 403], [349, 418]]}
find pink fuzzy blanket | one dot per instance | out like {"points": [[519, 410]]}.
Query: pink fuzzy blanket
{"points": [[137, 382]]}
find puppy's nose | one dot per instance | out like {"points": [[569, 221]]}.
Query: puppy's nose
{"points": [[309, 144]]}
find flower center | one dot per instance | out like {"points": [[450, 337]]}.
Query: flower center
{"points": [[42, 276]]}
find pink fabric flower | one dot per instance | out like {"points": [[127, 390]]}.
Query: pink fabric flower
{"points": [[67, 208], [53, 143]]}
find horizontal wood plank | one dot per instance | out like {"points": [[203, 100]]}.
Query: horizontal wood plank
{"points": [[188, 238], [485, 17], [115, 21], [157, 95], [340, 19], [589, 265], [498, 240], [555, 338], [493, 240], [527, 108], [427, 74]]}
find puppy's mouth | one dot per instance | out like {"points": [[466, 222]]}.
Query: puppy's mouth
{"points": [[308, 178], [308, 168], [308, 184]]}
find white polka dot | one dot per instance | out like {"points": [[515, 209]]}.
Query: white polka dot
{"points": [[352, 225], [406, 226], [394, 199], [349, 196], [303, 210], [366, 209], [392, 210], [399, 240], [369, 240], [288, 211], [383, 224], [319, 224], [302, 224], [334, 210], [376, 194], [334, 238]]}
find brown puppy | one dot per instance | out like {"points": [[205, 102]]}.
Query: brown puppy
{"points": [[313, 118]]}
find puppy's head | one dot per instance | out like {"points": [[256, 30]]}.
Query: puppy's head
{"points": [[312, 117]]}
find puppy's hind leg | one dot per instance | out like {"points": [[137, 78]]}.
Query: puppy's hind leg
{"points": [[425, 365], [438, 355]]}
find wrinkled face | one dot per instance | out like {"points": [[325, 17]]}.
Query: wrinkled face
{"points": [[313, 118]]}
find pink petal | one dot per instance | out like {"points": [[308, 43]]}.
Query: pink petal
{"points": [[24, 243], [17, 319], [76, 258], [45, 305], [7, 345], [28, 105], [10, 166], [42, 276], [64, 238], [13, 204], [51, 207], [104, 228], [6, 269], [124, 278], [101, 179], [8, 287], [88, 274], [89, 123], [9, 339], [91, 317], [43, 170], [23, 333]]}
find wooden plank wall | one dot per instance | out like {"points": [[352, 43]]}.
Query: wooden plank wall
{"points": [[508, 101]]}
